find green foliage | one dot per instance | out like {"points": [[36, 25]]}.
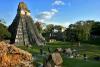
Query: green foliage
{"points": [[58, 27], [22, 5], [81, 30], [4, 34], [48, 32], [39, 27], [53, 32], [96, 29]]}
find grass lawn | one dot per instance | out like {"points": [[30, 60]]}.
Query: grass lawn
{"points": [[90, 49], [80, 63]]}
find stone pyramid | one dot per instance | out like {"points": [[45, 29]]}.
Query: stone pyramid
{"points": [[23, 30]]}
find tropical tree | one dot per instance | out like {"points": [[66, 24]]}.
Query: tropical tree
{"points": [[39, 26], [80, 31], [4, 34], [48, 32], [95, 29], [83, 29], [58, 28]]}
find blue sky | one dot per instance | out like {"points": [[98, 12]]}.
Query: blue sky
{"points": [[63, 12]]}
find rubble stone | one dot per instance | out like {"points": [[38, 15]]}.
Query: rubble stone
{"points": [[11, 56]]}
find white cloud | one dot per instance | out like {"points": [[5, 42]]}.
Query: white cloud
{"points": [[54, 10], [40, 20], [64, 24], [46, 15], [58, 2]]}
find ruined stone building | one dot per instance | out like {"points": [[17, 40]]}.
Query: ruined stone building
{"points": [[23, 30]]}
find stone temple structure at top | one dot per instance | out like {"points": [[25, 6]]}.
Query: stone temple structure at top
{"points": [[23, 30]]}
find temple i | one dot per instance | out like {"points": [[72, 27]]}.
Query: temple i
{"points": [[23, 30]]}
